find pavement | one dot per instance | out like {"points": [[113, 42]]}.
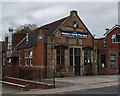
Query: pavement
{"points": [[69, 84]]}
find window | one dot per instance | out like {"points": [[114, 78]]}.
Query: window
{"points": [[19, 59], [9, 60], [26, 58], [104, 42], [3, 59], [30, 57], [116, 38], [87, 57], [112, 61], [60, 56], [71, 56], [119, 53], [103, 61]]}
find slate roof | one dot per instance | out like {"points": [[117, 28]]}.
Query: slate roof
{"points": [[110, 30], [32, 38]]}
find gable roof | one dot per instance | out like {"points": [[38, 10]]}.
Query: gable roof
{"points": [[110, 30], [32, 41]]}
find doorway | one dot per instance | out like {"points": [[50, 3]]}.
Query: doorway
{"points": [[77, 61]]}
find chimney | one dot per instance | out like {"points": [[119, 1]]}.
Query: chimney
{"points": [[26, 28], [73, 13], [107, 29], [10, 38], [26, 37]]}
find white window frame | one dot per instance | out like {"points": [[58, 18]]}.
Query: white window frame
{"points": [[114, 38], [104, 42], [26, 58], [30, 57], [9, 60]]}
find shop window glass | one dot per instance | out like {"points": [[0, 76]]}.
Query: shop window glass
{"points": [[75, 51]]}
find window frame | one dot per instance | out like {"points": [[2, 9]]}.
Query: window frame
{"points": [[87, 54], [60, 55], [71, 56], [3, 59], [103, 62], [114, 39], [114, 65], [119, 53], [20, 59], [30, 57], [9, 62], [26, 58], [104, 42]]}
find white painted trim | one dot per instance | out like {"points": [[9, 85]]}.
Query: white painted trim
{"points": [[19, 85], [29, 81], [20, 42]]}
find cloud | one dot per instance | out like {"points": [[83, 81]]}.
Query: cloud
{"points": [[96, 16]]}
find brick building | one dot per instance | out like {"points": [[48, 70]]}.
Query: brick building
{"points": [[109, 51], [65, 47], [2, 59]]}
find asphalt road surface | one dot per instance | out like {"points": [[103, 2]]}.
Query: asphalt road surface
{"points": [[104, 90]]}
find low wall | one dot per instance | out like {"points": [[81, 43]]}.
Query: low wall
{"points": [[28, 83]]}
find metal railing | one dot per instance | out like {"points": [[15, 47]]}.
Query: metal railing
{"points": [[36, 75]]}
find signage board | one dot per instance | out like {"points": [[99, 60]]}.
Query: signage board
{"points": [[74, 34]]}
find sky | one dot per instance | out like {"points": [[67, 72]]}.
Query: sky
{"points": [[95, 15]]}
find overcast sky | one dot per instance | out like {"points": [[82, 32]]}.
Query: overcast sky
{"points": [[96, 15]]}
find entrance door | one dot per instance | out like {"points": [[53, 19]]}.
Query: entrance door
{"points": [[77, 65], [77, 60]]}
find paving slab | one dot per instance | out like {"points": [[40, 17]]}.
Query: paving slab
{"points": [[78, 83]]}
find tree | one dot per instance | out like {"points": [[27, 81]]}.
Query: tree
{"points": [[31, 27]]}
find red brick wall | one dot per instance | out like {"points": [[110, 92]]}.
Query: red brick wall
{"points": [[109, 39], [100, 43], [109, 44], [107, 69], [40, 53], [108, 50]]}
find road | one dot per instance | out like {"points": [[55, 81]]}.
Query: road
{"points": [[103, 90]]}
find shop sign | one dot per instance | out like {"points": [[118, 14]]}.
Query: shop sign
{"points": [[74, 34]]}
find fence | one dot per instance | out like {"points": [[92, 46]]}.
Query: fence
{"points": [[36, 75]]}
